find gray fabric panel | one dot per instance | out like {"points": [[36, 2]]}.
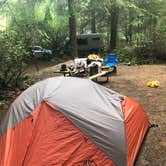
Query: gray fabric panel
{"points": [[21, 108], [27, 102], [95, 109]]}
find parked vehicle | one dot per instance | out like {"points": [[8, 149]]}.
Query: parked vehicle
{"points": [[40, 52], [87, 43]]}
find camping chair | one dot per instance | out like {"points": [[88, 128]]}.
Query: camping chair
{"points": [[112, 61]]}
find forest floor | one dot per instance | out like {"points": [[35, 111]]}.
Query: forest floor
{"points": [[131, 81]]}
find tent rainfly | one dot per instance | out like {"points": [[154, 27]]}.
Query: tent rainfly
{"points": [[65, 121]]}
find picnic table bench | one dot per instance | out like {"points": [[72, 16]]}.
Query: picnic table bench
{"points": [[105, 72]]}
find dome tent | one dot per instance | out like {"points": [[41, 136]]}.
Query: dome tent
{"points": [[72, 122]]}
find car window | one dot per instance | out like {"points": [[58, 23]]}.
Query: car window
{"points": [[82, 41], [37, 48], [96, 38]]}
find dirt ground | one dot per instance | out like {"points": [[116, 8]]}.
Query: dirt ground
{"points": [[131, 81]]}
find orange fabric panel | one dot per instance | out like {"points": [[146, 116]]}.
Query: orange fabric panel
{"points": [[14, 143], [49, 139], [136, 126], [57, 142]]}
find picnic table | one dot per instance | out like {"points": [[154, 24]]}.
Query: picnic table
{"points": [[85, 72], [91, 67]]}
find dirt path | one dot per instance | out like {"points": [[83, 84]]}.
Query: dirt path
{"points": [[47, 72], [131, 81]]}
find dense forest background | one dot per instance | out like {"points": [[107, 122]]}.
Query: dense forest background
{"points": [[134, 29]]}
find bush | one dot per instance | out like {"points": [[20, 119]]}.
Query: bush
{"points": [[137, 55], [13, 62], [159, 43], [126, 54]]}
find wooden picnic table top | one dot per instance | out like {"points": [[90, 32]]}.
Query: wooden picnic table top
{"points": [[70, 71]]}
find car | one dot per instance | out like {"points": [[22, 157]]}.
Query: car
{"points": [[40, 52]]}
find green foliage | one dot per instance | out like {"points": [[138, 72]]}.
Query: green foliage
{"points": [[39, 22], [136, 55], [125, 55], [159, 43], [14, 58], [141, 25]]}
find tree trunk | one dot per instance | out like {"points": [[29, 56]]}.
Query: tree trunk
{"points": [[130, 27], [72, 29], [93, 22], [93, 16], [114, 10], [31, 8], [126, 34]]}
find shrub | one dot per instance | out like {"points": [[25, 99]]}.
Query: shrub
{"points": [[137, 55], [159, 43], [13, 62], [126, 54]]}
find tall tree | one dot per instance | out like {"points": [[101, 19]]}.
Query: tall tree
{"points": [[114, 10], [72, 28], [93, 17]]}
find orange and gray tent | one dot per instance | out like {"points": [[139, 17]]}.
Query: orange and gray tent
{"points": [[65, 121]]}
